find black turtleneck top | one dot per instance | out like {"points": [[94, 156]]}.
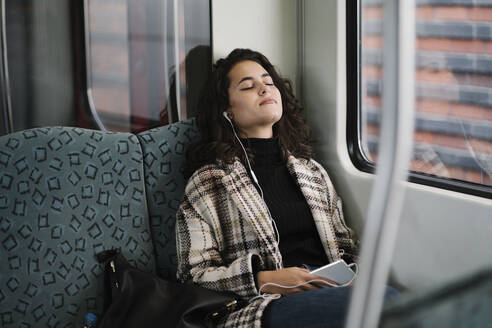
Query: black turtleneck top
{"points": [[299, 239]]}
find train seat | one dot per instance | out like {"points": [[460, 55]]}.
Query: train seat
{"points": [[163, 155], [68, 193]]}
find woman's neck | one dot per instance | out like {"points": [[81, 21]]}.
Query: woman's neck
{"points": [[266, 151], [260, 132]]}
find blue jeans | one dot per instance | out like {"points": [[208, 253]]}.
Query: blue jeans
{"points": [[324, 307]]}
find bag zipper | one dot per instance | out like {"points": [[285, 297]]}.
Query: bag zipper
{"points": [[111, 264], [230, 307]]}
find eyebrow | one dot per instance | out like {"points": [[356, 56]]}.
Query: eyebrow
{"points": [[250, 78]]}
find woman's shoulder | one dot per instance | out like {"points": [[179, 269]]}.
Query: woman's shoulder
{"points": [[311, 167], [305, 163], [207, 174], [314, 165], [208, 171]]}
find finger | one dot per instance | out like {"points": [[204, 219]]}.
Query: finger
{"points": [[313, 276], [310, 286], [310, 276], [330, 282], [324, 284], [321, 285], [290, 291]]}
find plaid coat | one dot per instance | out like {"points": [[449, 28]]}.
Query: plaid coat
{"points": [[223, 230]]}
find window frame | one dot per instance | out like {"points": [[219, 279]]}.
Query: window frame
{"points": [[80, 83], [353, 133]]}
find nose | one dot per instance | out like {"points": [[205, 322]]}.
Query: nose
{"points": [[263, 89]]}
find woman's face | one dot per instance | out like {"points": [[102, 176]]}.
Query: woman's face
{"points": [[254, 101]]}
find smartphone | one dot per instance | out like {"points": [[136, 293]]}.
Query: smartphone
{"points": [[337, 271]]}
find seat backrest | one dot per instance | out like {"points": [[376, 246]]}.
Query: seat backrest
{"points": [[65, 195], [164, 151]]}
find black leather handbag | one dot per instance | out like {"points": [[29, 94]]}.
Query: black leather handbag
{"points": [[140, 299]]}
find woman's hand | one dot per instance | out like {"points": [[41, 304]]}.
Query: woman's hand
{"points": [[289, 277]]}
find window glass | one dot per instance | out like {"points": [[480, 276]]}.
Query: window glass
{"points": [[129, 65], [109, 62], [147, 60], [453, 128]]}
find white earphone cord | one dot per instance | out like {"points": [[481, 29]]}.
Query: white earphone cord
{"points": [[254, 176]]}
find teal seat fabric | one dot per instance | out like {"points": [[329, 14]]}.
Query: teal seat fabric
{"points": [[65, 195], [164, 151]]}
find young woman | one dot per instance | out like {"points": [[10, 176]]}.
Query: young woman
{"points": [[257, 207]]}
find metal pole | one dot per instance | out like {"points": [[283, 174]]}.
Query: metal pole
{"points": [[177, 81], [300, 50], [165, 46], [394, 155], [7, 103], [182, 58]]}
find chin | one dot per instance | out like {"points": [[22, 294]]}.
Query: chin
{"points": [[277, 116]]}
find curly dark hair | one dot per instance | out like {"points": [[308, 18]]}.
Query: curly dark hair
{"points": [[218, 142]]}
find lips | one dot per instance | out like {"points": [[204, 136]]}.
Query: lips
{"points": [[268, 101]]}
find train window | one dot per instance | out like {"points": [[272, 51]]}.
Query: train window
{"points": [[109, 64], [453, 127], [147, 60]]}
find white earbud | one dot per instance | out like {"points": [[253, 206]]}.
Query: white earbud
{"points": [[226, 117]]}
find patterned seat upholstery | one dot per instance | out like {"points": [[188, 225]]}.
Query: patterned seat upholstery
{"points": [[163, 152], [66, 194]]}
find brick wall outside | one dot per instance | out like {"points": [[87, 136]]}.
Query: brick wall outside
{"points": [[453, 136]]}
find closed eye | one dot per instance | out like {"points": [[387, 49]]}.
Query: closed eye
{"points": [[267, 81]]}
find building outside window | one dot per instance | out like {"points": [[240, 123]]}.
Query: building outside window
{"points": [[453, 128]]}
